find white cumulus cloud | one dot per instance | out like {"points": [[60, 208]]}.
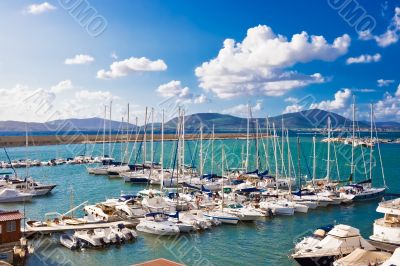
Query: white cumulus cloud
{"points": [[390, 36], [62, 86], [181, 94], [37, 9], [364, 58], [257, 65], [341, 101], [131, 65], [79, 59]]}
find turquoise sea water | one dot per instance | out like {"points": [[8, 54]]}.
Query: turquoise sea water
{"points": [[260, 243]]}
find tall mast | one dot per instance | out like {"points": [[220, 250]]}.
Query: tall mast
{"points": [[275, 153], [298, 160], [314, 160], [289, 155], [352, 140], [152, 136], [222, 175], [162, 152], [110, 129], [257, 160], [127, 137], [212, 150], [104, 130], [247, 138], [267, 145], [145, 138], [201, 150], [283, 149], [183, 139], [371, 150], [328, 162]]}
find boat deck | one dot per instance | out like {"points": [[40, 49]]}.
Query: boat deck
{"points": [[63, 228], [383, 246]]}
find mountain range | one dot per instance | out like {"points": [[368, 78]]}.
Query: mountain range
{"points": [[309, 119]]}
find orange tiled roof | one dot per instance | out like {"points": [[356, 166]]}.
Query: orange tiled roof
{"points": [[159, 262], [10, 216]]}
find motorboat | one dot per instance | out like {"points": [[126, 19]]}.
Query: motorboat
{"points": [[123, 232], [387, 229], [222, 216], [89, 238], [363, 257], [157, 224], [278, 208], [339, 242], [108, 235], [69, 241], [100, 213], [314, 239], [244, 213], [8, 195]]}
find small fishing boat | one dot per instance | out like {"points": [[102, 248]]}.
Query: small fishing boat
{"points": [[363, 257]]}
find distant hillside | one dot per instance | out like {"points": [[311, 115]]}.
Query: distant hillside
{"points": [[309, 119]]}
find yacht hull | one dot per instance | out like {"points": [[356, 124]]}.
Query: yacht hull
{"points": [[315, 261]]}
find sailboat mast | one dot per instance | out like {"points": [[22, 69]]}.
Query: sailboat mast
{"points": [[183, 141], [289, 155], [109, 133], [152, 138], [247, 138], [104, 130], [201, 150], [328, 162], [162, 152], [283, 148], [314, 160], [352, 140], [222, 176], [275, 153], [212, 150], [257, 159], [267, 145], [371, 143], [145, 138], [298, 160]]}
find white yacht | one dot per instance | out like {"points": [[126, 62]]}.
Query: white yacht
{"points": [[278, 208], [157, 224], [244, 213], [387, 229], [89, 238], [222, 216], [340, 241], [13, 195]]}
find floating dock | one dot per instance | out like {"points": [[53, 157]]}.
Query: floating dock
{"points": [[62, 228]]}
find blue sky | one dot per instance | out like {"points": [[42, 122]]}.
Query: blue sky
{"points": [[158, 49]]}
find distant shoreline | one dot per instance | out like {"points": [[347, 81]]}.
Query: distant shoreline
{"points": [[82, 138]]}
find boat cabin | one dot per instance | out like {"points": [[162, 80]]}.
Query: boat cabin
{"points": [[10, 226]]}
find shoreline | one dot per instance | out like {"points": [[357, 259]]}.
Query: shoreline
{"points": [[20, 141]]}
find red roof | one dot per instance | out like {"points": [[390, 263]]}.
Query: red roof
{"points": [[159, 262], [10, 216]]}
